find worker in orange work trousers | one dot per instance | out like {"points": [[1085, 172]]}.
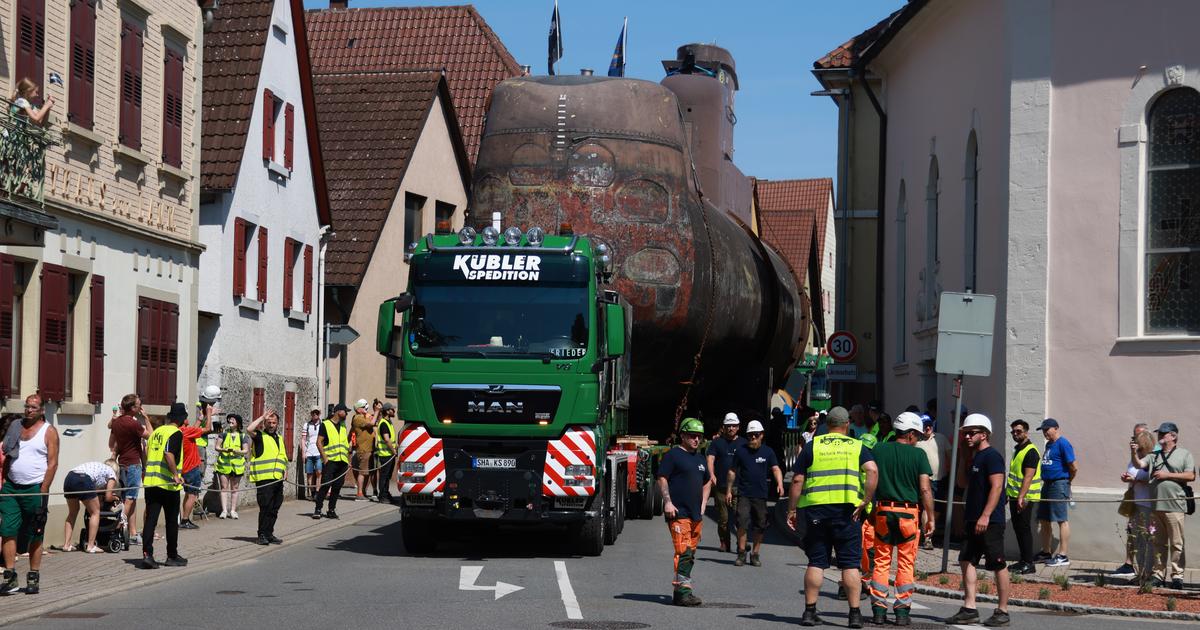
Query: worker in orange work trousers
{"points": [[868, 530], [685, 483], [903, 490]]}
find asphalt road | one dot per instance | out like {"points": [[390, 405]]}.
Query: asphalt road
{"points": [[361, 577]]}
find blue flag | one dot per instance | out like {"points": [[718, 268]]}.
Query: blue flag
{"points": [[555, 43], [617, 67]]}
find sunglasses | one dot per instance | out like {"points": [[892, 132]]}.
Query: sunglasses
{"points": [[972, 433]]}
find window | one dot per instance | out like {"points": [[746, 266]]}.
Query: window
{"points": [[158, 351], [10, 313], [31, 41], [270, 109], [243, 241], [931, 212], [412, 218], [74, 286], [291, 255], [971, 216], [172, 134], [83, 63], [308, 278], [258, 402], [132, 36], [262, 264], [901, 273], [96, 345], [443, 216], [1172, 229], [59, 293], [273, 109]]}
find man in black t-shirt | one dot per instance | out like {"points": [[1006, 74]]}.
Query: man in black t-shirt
{"points": [[720, 459], [1020, 508], [684, 483], [754, 465]]}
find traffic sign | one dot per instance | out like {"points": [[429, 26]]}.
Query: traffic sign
{"points": [[966, 322], [842, 346], [841, 372], [341, 335]]}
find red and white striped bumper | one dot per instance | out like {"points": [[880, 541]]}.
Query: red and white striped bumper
{"points": [[577, 447], [422, 461]]}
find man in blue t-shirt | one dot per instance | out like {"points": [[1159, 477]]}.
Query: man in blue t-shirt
{"points": [[684, 483], [983, 517], [1058, 470], [754, 465], [720, 458]]}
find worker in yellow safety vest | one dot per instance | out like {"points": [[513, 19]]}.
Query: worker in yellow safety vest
{"points": [[163, 481], [828, 486], [268, 468], [231, 464], [1024, 490], [334, 443], [385, 450]]}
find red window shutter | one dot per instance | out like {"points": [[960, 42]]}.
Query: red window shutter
{"points": [[268, 113], [308, 278], [239, 258], [81, 90], [131, 85], [172, 108], [169, 351], [145, 358], [289, 422], [96, 359], [31, 41], [52, 358], [262, 264], [155, 389], [8, 269], [258, 403], [288, 126], [289, 257]]}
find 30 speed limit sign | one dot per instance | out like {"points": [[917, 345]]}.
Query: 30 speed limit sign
{"points": [[842, 346]]}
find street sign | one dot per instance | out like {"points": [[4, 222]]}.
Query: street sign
{"points": [[842, 346], [341, 335], [841, 372], [966, 322]]}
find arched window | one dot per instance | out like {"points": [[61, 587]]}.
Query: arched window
{"points": [[901, 274], [931, 211], [1172, 229], [971, 215]]}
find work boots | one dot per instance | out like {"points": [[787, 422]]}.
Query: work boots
{"points": [[686, 599]]}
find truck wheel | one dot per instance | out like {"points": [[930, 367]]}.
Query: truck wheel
{"points": [[589, 536], [658, 504], [611, 527], [623, 505], [417, 536], [645, 501]]}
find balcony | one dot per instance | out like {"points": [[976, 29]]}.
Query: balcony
{"points": [[22, 181]]}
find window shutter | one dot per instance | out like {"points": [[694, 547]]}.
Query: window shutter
{"points": [[262, 264], [239, 258], [308, 278], [52, 359], [289, 422], [268, 113], [31, 41], [172, 108], [258, 403], [169, 351], [96, 362], [145, 360], [288, 125], [81, 90], [289, 264], [8, 269], [131, 85]]}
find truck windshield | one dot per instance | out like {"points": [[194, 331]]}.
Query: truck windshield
{"points": [[508, 321]]}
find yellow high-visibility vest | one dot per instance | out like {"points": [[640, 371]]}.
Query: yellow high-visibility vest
{"points": [[234, 464], [833, 477], [381, 446], [337, 443], [158, 474], [272, 464], [1016, 476]]}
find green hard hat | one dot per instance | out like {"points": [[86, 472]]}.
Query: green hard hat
{"points": [[869, 440], [691, 425]]}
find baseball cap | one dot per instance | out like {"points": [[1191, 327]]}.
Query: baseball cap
{"points": [[926, 420], [731, 419], [907, 421], [340, 407], [875, 405], [754, 427], [1167, 427], [387, 406], [1048, 423], [362, 402], [316, 408], [838, 414]]}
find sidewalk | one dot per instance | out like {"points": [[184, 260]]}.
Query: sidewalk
{"points": [[75, 577], [1080, 571]]}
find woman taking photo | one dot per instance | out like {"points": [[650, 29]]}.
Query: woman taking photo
{"points": [[82, 485], [21, 102], [231, 464]]}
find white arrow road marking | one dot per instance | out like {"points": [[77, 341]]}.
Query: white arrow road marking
{"points": [[568, 593], [468, 575]]}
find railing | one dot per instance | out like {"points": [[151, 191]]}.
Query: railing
{"points": [[23, 158]]}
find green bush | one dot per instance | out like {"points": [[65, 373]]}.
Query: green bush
{"points": [[984, 587], [921, 576], [1171, 604], [1100, 581], [1043, 593], [1063, 581], [1146, 587], [943, 579], [1017, 578]]}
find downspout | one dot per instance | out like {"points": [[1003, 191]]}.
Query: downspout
{"points": [[879, 240], [322, 348]]}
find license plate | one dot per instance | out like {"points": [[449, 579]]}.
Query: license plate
{"points": [[495, 462]]}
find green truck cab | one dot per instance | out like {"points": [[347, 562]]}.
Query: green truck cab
{"points": [[514, 387]]}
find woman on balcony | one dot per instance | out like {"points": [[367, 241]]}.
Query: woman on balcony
{"points": [[21, 103]]}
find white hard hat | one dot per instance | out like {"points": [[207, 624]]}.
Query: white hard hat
{"points": [[754, 427], [362, 402], [731, 419], [978, 420], [907, 421], [211, 394]]}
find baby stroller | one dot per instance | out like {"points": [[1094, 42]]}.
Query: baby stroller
{"points": [[112, 534]]}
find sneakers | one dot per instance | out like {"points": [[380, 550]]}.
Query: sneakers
{"points": [[879, 615], [1042, 556], [32, 583], [148, 562], [188, 525], [233, 514], [1022, 568], [223, 514], [1124, 571], [331, 514], [964, 616], [810, 618], [135, 539], [755, 560], [1058, 560], [10, 586], [317, 514], [928, 544], [998, 619], [262, 540], [275, 540], [175, 561], [741, 559], [854, 620], [1177, 584], [685, 599]]}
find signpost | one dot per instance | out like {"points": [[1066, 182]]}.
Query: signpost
{"points": [[841, 372], [966, 322], [842, 346]]}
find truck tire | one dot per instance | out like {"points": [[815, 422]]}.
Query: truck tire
{"points": [[622, 506], [417, 536], [611, 527], [589, 535], [658, 504], [645, 501]]}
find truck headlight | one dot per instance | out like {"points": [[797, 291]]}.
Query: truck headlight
{"points": [[512, 236], [579, 471], [535, 235], [466, 236], [490, 236], [414, 468], [577, 482]]}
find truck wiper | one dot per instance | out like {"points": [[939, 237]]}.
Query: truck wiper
{"points": [[446, 356]]}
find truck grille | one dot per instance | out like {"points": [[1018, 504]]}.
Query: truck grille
{"points": [[495, 404]]}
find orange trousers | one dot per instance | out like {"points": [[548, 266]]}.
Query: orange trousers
{"points": [[868, 544], [897, 532], [685, 537]]}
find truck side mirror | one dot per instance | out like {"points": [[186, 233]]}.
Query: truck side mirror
{"points": [[385, 327], [614, 318]]}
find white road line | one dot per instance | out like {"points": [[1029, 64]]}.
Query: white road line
{"points": [[568, 593], [916, 606]]}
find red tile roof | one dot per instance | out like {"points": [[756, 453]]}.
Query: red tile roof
{"points": [[789, 213], [845, 55], [370, 123], [453, 38]]}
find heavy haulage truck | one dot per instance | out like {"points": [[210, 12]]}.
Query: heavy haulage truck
{"points": [[536, 367]]}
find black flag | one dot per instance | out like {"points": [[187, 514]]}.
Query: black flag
{"points": [[556, 46]]}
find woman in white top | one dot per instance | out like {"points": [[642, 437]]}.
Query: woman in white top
{"points": [[21, 102], [1138, 547], [81, 485]]}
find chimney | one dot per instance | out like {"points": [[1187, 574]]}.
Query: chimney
{"points": [[339, 4]]}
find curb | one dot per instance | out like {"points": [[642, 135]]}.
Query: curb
{"points": [[252, 552], [1064, 607]]}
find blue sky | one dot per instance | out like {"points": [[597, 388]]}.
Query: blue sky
{"points": [[782, 132]]}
